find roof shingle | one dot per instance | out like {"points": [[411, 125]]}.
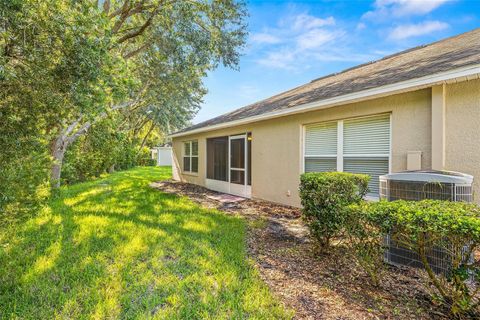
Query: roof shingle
{"points": [[451, 53]]}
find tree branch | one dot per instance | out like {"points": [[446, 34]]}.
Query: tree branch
{"points": [[127, 11], [146, 136], [140, 30], [136, 51], [84, 128], [106, 6], [72, 126], [123, 12]]}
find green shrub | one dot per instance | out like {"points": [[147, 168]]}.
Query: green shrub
{"points": [[144, 158], [326, 197], [366, 243], [103, 149], [453, 226], [24, 161]]}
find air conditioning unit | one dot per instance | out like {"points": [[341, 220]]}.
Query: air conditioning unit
{"points": [[420, 185]]}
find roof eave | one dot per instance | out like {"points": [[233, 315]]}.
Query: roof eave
{"points": [[454, 75]]}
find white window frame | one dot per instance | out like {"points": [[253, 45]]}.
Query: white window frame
{"points": [[340, 144], [190, 155]]}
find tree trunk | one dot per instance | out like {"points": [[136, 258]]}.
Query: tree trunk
{"points": [[69, 135], [146, 136], [58, 153]]}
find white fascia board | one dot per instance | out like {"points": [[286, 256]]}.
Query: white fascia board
{"points": [[470, 72]]}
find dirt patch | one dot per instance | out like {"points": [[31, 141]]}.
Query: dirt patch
{"points": [[315, 286]]}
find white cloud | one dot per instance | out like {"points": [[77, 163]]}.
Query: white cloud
{"points": [[415, 30], [304, 22], [400, 8], [264, 38], [315, 38], [295, 38], [282, 59], [361, 26]]}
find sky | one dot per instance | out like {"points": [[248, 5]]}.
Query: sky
{"points": [[293, 42]]}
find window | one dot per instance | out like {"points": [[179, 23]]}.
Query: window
{"points": [[321, 147], [190, 156], [360, 145]]}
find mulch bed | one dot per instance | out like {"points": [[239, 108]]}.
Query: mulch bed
{"points": [[315, 286]]}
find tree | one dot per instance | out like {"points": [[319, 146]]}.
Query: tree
{"points": [[117, 55], [48, 69], [66, 65], [163, 43]]}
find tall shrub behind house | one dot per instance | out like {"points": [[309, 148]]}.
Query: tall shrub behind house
{"points": [[326, 197]]}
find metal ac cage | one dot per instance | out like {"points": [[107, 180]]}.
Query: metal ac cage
{"points": [[416, 186], [420, 185]]}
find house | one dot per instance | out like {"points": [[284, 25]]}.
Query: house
{"points": [[417, 109]]}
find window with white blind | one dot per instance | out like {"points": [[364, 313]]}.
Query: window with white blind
{"points": [[359, 145], [321, 147], [190, 156]]}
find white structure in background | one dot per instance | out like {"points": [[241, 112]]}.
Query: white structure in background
{"points": [[163, 155]]}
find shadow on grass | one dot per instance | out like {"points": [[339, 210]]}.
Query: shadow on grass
{"points": [[117, 248]]}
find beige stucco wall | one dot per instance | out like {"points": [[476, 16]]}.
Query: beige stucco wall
{"points": [[277, 143], [462, 146]]}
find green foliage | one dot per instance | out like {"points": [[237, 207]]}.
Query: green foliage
{"points": [[66, 66], [366, 242], [23, 180], [421, 225], [326, 197], [115, 248], [104, 149], [51, 66]]}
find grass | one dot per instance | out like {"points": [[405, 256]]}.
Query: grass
{"points": [[116, 248]]}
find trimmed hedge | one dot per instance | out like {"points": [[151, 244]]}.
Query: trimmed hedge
{"points": [[421, 225], [326, 197], [333, 206]]}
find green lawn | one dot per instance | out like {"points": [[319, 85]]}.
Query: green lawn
{"points": [[116, 248]]}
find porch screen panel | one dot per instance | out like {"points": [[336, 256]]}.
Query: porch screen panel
{"points": [[366, 147], [237, 161], [321, 147], [217, 158]]}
